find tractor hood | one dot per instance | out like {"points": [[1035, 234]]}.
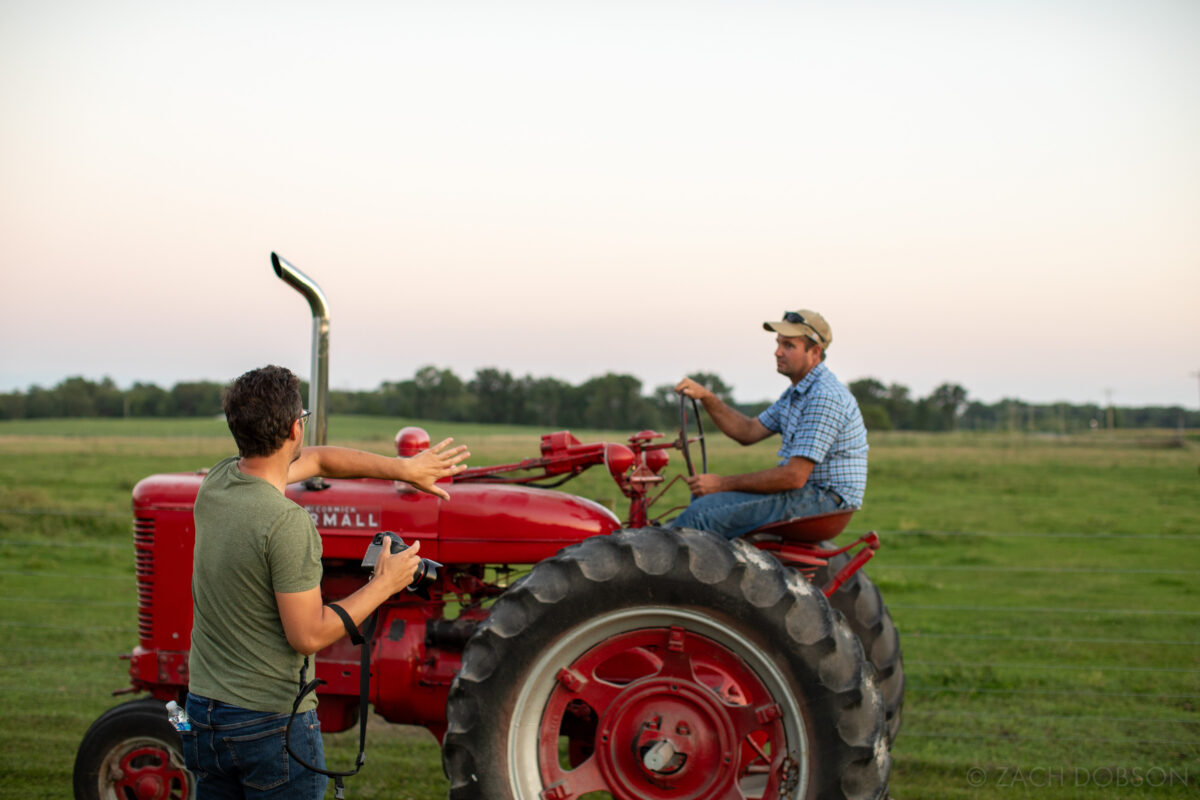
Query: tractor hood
{"points": [[481, 523], [505, 524]]}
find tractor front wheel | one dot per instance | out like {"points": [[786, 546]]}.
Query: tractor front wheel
{"points": [[657, 663], [132, 752]]}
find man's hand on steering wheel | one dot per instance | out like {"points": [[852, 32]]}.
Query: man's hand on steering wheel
{"points": [[689, 388], [704, 483]]}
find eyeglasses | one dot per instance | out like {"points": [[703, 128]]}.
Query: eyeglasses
{"points": [[798, 319], [303, 417]]}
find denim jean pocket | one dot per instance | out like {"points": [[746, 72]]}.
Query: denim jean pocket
{"points": [[191, 751], [261, 757]]}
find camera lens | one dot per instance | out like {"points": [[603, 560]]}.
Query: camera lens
{"points": [[424, 577]]}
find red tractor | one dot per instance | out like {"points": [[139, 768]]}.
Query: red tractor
{"points": [[630, 660]]}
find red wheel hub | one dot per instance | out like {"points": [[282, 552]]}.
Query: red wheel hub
{"points": [[661, 713], [668, 732], [147, 773]]}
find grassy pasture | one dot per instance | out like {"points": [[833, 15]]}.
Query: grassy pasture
{"points": [[1045, 590]]}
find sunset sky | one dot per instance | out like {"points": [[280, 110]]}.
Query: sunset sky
{"points": [[1005, 195]]}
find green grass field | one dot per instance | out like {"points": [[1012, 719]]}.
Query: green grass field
{"points": [[1045, 590]]}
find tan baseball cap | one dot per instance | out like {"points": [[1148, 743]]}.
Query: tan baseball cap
{"points": [[803, 322]]}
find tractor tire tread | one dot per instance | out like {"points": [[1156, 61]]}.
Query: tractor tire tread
{"points": [[861, 602], [663, 562]]}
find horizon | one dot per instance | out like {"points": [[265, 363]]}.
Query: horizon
{"points": [[647, 389], [998, 195]]}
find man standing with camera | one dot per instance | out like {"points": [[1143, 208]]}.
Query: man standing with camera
{"points": [[256, 591], [823, 453]]}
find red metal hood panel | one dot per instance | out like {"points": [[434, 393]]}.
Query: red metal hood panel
{"points": [[347, 513], [481, 523], [499, 523], [176, 492], [350, 512]]}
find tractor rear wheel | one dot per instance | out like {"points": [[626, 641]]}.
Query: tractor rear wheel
{"points": [[132, 751], [862, 604], [658, 663]]}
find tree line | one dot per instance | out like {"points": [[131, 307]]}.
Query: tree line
{"points": [[611, 401], [948, 408]]}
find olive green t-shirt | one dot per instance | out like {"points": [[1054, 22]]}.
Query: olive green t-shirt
{"points": [[251, 542]]}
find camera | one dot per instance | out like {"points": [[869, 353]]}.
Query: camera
{"points": [[427, 569]]}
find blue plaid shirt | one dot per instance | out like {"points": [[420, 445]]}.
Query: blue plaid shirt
{"points": [[818, 419]]}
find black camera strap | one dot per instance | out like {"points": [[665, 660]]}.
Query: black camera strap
{"points": [[362, 641]]}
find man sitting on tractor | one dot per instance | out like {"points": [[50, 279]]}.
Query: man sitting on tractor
{"points": [[823, 455]]}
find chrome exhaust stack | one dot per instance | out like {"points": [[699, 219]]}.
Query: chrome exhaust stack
{"points": [[318, 380]]}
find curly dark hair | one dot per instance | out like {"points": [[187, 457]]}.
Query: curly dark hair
{"points": [[260, 407]]}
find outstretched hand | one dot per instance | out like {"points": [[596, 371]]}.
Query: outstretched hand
{"points": [[429, 466]]}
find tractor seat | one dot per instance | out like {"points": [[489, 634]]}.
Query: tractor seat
{"points": [[818, 528]]}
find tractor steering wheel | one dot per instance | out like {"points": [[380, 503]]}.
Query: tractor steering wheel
{"points": [[683, 435]]}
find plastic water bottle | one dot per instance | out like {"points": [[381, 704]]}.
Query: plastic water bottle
{"points": [[178, 716]]}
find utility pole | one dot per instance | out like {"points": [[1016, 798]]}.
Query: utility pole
{"points": [[1108, 402]]}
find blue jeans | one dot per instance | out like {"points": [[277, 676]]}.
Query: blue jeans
{"points": [[238, 753], [734, 514]]}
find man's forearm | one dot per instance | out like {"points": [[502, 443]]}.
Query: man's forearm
{"points": [[358, 605], [793, 474], [345, 462], [311, 625], [421, 471], [768, 481], [730, 421]]}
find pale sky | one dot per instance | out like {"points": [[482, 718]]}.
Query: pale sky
{"points": [[1005, 195]]}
